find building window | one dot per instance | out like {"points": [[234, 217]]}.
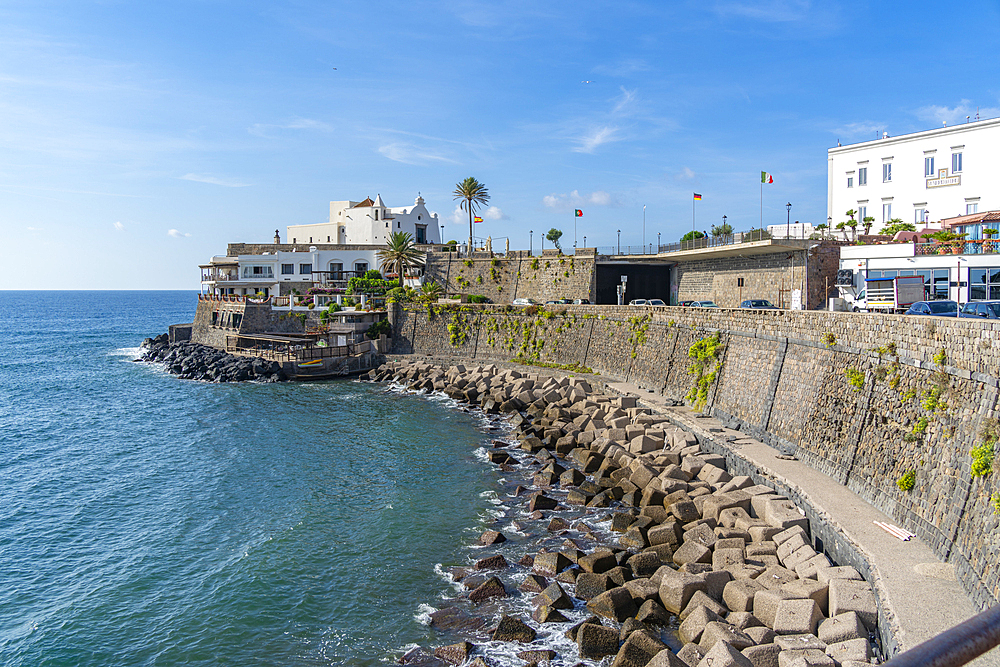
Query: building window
{"points": [[862, 212], [862, 176], [956, 163], [336, 271], [918, 215], [929, 166], [887, 172], [941, 284], [360, 267], [850, 181], [376, 215], [886, 212], [305, 269], [287, 269], [971, 208], [984, 284], [327, 239], [421, 233]]}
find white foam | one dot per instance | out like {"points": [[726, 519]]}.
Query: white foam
{"points": [[128, 353], [423, 615]]}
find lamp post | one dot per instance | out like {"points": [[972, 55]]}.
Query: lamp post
{"points": [[619, 241], [531, 242], [657, 242], [788, 220], [644, 228], [829, 225], [584, 241], [442, 234]]}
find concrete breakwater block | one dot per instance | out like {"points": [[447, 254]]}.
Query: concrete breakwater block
{"points": [[685, 541]]}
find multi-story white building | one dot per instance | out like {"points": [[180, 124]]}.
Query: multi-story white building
{"points": [[918, 178], [325, 254], [370, 222]]}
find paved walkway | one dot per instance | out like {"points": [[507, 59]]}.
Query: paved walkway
{"points": [[917, 589]]}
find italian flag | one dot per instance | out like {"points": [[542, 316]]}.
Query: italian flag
{"points": [[766, 177]]}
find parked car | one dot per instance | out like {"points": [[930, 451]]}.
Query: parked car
{"points": [[987, 310], [704, 304], [557, 302], [525, 302], [637, 302], [655, 302], [685, 303], [758, 304], [942, 308], [583, 302]]}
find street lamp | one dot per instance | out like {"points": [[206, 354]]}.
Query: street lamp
{"points": [[829, 225], [644, 228], [584, 241], [619, 241], [657, 242], [531, 242], [442, 234], [788, 220]]}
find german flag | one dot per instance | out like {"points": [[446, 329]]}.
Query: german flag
{"points": [[697, 197]]}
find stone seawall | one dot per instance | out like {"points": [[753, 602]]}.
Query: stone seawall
{"points": [[518, 275], [867, 399]]}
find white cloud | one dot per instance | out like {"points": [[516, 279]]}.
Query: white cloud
{"points": [[957, 114], [777, 11], [266, 129], [176, 234], [627, 98], [34, 229], [408, 153], [865, 129], [576, 200], [213, 180], [494, 213], [119, 226], [685, 174], [596, 137], [458, 216]]}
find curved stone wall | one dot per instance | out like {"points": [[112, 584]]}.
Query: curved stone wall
{"points": [[851, 394]]}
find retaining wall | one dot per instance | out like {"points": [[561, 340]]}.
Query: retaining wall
{"points": [[783, 380]]}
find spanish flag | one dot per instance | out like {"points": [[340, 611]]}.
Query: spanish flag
{"points": [[697, 197], [577, 213], [477, 219]]}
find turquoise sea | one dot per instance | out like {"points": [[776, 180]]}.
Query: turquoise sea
{"points": [[147, 520]]}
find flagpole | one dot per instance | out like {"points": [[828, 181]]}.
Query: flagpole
{"points": [[692, 215], [762, 200]]}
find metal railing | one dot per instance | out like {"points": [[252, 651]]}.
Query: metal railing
{"points": [[695, 244], [274, 351], [961, 644], [964, 247]]}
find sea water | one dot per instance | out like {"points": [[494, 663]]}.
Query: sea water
{"points": [[148, 520]]}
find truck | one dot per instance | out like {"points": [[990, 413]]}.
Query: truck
{"points": [[890, 295]]}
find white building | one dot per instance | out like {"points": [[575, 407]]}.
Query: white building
{"points": [[920, 177], [326, 254], [369, 222]]}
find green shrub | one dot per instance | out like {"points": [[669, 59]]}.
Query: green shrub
{"points": [[907, 481], [377, 329], [829, 339], [940, 357], [855, 377], [478, 298], [921, 426], [372, 274]]}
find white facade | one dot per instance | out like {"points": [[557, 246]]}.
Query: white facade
{"points": [[250, 274], [369, 222], [925, 176], [962, 278]]}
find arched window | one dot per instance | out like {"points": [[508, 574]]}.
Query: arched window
{"points": [[376, 214]]}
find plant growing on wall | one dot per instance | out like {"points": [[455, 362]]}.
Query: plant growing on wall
{"points": [[907, 481], [829, 340], [983, 453], [855, 378], [706, 355], [638, 327]]}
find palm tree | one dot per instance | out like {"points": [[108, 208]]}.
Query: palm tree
{"points": [[868, 222], [431, 291], [473, 194], [400, 254]]}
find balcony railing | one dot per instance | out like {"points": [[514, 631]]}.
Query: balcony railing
{"points": [[962, 247], [208, 277], [695, 244]]}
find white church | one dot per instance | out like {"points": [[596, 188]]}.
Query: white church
{"points": [[324, 254], [369, 223]]}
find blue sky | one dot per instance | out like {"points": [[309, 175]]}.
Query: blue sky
{"points": [[137, 139]]}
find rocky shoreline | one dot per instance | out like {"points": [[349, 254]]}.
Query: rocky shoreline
{"points": [[625, 544], [193, 361]]}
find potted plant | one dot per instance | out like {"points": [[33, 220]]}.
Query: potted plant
{"points": [[989, 245]]}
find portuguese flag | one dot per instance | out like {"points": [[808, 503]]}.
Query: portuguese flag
{"points": [[766, 177], [577, 213]]}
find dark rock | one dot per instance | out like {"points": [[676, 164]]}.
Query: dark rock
{"points": [[512, 629], [542, 502], [533, 583], [652, 612], [456, 654], [492, 537], [492, 588], [537, 655], [496, 562], [546, 614], [596, 641], [453, 619], [418, 657], [616, 604], [571, 633], [589, 585], [638, 650], [551, 564], [554, 596]]}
